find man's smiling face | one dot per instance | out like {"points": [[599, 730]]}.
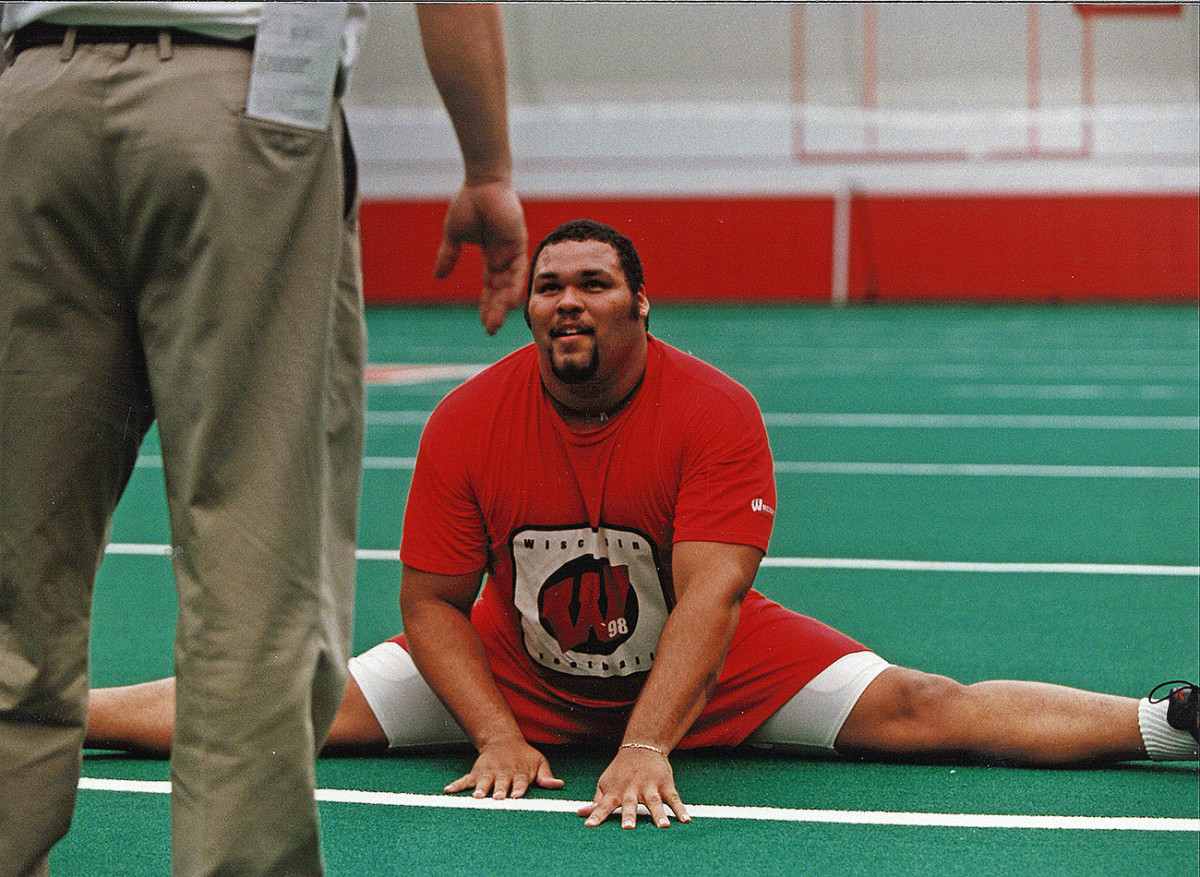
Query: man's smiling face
{"points": [[585, 319]]}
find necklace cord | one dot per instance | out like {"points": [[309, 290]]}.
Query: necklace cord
{"points": [[600, 417]]}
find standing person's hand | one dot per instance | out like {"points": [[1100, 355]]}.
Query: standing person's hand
{"points": [[490, 216], [464, 48]]}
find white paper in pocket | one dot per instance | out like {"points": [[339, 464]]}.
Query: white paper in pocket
{"points": [[296, 55]]}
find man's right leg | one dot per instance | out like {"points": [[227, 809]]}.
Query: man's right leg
{"points": [[386, 705], [140, 718], [137, 718]]}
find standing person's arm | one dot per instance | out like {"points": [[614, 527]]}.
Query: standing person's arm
{"points": [[711, 580], [448, 652], [464, 48]]}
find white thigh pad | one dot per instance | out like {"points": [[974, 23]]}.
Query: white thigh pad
{"points": [[403, 703], [811, 720]]}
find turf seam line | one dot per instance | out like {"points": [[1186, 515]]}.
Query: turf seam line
{"points": [[994, 470], [985, 421], [714, 811], [880, 420]]}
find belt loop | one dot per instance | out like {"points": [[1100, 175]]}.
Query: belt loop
{"points": [[68, 45], [165, 45]]}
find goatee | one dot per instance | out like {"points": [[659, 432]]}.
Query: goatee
{"points": [[576, 374]]}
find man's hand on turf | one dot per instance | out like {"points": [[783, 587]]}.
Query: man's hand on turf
{"points": [[506, 769], [636, 776]]}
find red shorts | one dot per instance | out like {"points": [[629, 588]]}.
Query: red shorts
{"points": [[774, 653]]}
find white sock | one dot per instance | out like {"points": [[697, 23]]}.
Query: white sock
{"points": [[1162, 742]]}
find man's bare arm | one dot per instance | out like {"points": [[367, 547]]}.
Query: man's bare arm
{"points": [[464, 48], [448, 652], [711, 580]]}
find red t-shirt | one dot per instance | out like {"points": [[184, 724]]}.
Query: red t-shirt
{"points": [[576, 530]]}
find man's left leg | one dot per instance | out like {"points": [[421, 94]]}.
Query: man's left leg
{"points": [[905, 713]]}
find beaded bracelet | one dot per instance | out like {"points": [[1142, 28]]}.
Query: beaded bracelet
{"points": [[643, 746]]}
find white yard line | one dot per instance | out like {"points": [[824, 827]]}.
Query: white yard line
{"points": [[717, 811], [1129, 569], [951, 566]]}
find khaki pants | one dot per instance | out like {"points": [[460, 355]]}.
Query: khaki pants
{"points": [[162, 257]]}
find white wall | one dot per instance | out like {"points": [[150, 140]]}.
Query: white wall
{"points": [[693, 97]]}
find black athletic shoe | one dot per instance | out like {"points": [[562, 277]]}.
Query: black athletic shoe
{"points": [[1183, 706]]}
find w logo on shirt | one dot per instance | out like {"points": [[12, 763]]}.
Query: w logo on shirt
{"points": [[591, 601], [588, 606]]}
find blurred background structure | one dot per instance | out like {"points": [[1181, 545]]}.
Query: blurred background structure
{"points": [[823, 152]]}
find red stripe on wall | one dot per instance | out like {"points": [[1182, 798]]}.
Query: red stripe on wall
{"points": [[1153, 10], [903, 248], [692, 249], [1026, 248]]}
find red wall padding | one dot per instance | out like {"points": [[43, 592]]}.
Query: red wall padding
{"points": [[904, 248], [1026, 248]]}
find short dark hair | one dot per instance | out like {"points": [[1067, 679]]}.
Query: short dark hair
{"points": [[590, 230]]}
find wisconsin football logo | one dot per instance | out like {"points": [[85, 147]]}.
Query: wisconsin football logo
{"points": [[591, 601]]}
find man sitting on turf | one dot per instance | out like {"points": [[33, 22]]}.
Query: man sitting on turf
{"points": [[619, 494]]}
